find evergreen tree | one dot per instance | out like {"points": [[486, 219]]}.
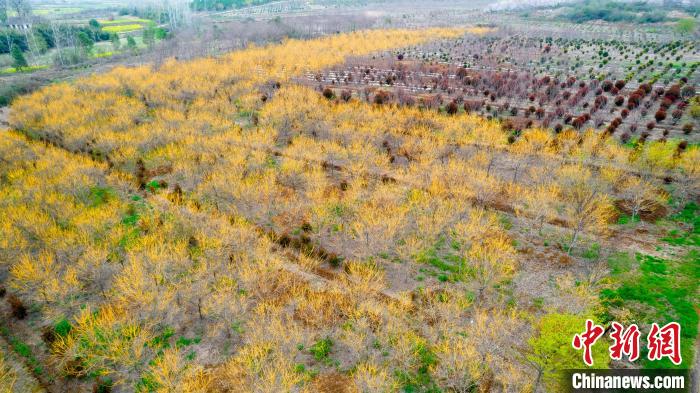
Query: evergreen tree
{"points": [[131, 43], [116, 43], [19, 61], [86, 42]]}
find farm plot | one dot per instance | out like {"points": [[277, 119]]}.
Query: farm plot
{"points": [[636, 91], [125, 25], [230, 230]]}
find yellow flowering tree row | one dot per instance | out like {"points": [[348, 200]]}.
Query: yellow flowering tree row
{"points": [[143, 288]]}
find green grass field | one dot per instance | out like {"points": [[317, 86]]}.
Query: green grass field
{"points": [[122, 28], [12, 70], [123, 21]]}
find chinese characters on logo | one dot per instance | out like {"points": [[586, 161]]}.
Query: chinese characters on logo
{"points": [[586, 340], [661, 341], [665, 342], [625, 342]]}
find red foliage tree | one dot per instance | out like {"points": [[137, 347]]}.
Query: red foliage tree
{"points": [[607, 85], [381, 97], [452, 108], [660, 115], [673, 93]]}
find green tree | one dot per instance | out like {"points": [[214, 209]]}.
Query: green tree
{"points": [[131, 43], [161, 33], [94, 24], [19, 61], [550, 349], [116, 42], [695, 111], [38, 42], [86, 42], [149, 36], [686, 26]]}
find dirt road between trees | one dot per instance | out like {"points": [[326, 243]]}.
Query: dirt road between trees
{"points": [[4, 116]]}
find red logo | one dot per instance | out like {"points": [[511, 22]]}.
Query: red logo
{"points": [[586, 340], [665, 342], [625, 342]]}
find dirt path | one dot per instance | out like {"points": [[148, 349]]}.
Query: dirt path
{"points": [[4, 116]]}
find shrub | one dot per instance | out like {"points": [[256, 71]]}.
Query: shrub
{"points": [[687, 91], [695, 111], [601, 101], [328, 93], [633, 101], [687, 128], [660, 115], [321, 349], [19, 311], [677, 114], [381, 97], [673, 93], [651, 125], [11, 89], [452, 108]]}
